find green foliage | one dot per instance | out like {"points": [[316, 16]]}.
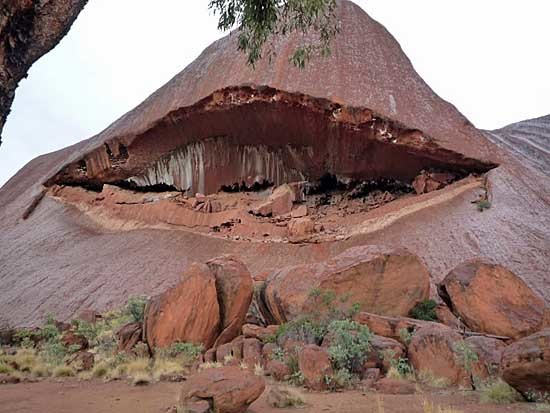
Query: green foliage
{"points": [[341, 379], [53, 352], [278, 354], [257, 20], [537, 396], [465, 355], [26, 337], [135, 308], [402, 366], [425, 310], [405, 335], [499, 392], [350, 342], [189, 351], [315, 292], [49, 331], [483, 204], [302, 329], [90, 331], [296, 378]]}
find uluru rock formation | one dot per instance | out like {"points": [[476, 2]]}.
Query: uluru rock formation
{"points": [[28, 30], [180, 178]]}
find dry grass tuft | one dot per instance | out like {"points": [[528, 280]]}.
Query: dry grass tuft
{"points": [[431, 407], [5, 369], [166, 366], [427, 377], [259, 370], [499, 392], [63, 371], [282, 397], [210, 365], [100, 370], [141, 379], [41, 370]]}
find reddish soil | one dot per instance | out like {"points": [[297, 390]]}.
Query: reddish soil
{"points": [[72, 396]]}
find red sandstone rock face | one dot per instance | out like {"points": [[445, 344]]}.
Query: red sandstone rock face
{"points": [[490, 299], [45, 270], [372, 277], [226, 389], [189, 312], [526, 363], [234, 289], [433, 351], [128, 336], [392, 327], [314, 363]]}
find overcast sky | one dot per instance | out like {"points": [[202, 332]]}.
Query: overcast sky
{"points": [[489, 58]]}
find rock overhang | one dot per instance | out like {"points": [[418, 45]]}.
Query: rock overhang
{"points": [[240, 133]]}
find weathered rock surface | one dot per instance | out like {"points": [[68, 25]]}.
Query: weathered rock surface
{"points": [[234, 288], [314, 363], [81, 361], [71, 339], [261, 333], [28, 30], [382, 351], [525, 363], [194, 115], [433, 351], [489, 351], [188, 312], [491, 299], [128, 336], [381, 280], [226, 389], [392, 327]]}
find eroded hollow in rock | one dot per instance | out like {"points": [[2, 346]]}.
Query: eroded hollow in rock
{"points": [[249, 135], [222, 156]]}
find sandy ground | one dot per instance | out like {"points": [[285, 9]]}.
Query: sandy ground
{"points": [[70, 396]]}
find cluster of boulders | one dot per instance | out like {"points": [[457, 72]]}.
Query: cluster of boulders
{"points": [[489, 323], [485, 311]]}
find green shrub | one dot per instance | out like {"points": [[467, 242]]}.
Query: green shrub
{"points": [[189, 351], [483, 204], [424, 310], [296, 378], [26, 337], [135, 308], [88, 330], [50, 331], [53, 352], [350, 342], [303, 329], [341, 379]]}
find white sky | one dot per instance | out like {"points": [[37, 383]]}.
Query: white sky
{"points": [[489, 58]]}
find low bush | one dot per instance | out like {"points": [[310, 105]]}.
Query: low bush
{"points": [[349, 344], [424, 310], [303, 329]]}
